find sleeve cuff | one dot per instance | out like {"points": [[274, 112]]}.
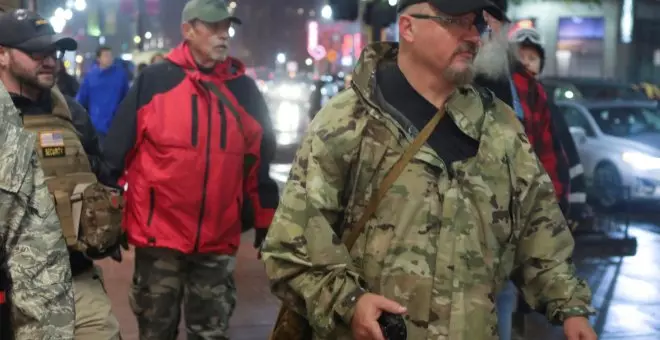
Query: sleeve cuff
{"points": [[264, 218], [568, 312], [346, 307]]}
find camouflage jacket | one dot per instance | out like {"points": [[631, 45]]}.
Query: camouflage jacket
{"points": [[35, 255], [440, 245]]}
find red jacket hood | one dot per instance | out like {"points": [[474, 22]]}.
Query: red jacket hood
{"points": [[229, 69]]}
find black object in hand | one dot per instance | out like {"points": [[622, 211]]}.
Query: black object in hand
{"points": [[259, 236], [393, 326]]}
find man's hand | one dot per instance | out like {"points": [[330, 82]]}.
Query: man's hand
{"points": [[578, 328], [364, 323]]}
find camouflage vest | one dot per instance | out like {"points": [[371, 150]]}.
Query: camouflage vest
{"points": [[90, 213]]}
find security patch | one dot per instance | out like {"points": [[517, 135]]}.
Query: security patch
{"points": [[52, 144]]}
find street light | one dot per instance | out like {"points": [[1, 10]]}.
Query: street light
{"points": [[309, 61], [80, 5], [58, 23], [281, 58], [67, 14], [326, 12], [232, 32], [148, 35], [392, 2]]}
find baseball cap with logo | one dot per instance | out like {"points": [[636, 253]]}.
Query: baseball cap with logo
{"points": [[459, 7], [27, 31], [207, 11]]}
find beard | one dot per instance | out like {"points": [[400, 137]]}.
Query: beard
{"points": [[493, 60], [40, 78], [459, 77], [464, 76]]}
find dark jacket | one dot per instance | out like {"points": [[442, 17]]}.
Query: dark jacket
{"points": [[193, 146], [89, 141], [67, 84]]}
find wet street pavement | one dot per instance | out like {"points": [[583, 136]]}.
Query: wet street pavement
{"points": [[626, 291]]}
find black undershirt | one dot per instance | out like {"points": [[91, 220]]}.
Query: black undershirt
{"points": [[447, 140]]}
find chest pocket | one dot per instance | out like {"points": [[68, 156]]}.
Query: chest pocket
{"points": [[228, 113], [58, 145], [204, 119], [486, 189]]}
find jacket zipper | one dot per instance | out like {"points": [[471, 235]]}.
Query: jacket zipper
{"points": [[195, 118], [223, 125], [152, 205], [207, 165]]}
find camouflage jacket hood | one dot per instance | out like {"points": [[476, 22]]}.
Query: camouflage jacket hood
{"points": [[467, 114], [440, 245]]}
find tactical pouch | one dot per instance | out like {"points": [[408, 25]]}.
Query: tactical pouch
{"points": [[99, 218]]}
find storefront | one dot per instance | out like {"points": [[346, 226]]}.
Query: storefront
{"points": [[645, 50], [614, 39]]}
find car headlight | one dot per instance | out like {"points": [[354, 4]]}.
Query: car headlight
{"points": [[291, 92], [641, 161], [287, 116]]}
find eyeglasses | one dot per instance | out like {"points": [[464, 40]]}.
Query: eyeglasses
{"points": [[41, 56], [463, 22]]}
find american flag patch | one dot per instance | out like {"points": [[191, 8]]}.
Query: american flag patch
{"points": [[51, 139]]}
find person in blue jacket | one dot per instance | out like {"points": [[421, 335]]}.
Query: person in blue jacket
{"points": [[103, 88]]}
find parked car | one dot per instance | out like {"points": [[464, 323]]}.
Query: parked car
{"points": [[619, 145], [567, 88]]}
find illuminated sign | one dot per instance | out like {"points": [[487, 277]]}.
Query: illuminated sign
{"points": [[357, 44], [315, 50], [627, 22]]}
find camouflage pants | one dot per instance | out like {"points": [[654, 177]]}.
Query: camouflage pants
{"points": [[165, 278]]}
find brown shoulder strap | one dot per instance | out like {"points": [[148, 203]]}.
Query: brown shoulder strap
{"points": [[391, 177]]}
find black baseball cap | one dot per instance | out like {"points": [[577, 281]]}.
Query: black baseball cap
{"points": [[27, 31], [459, 7]]}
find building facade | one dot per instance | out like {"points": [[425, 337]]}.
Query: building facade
{"points": [[616, 39]]}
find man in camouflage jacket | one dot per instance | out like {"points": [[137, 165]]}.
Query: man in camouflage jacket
{"points": [[35, 261], [473, 207]]}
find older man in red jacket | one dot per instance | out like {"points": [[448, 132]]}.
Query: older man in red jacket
{"points": [[195, 141]]}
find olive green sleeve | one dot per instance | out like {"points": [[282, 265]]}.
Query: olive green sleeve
{"points": [[309, 267], [546, 275]]}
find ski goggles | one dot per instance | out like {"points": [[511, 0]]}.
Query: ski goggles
{"points": [[525, 34]]}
